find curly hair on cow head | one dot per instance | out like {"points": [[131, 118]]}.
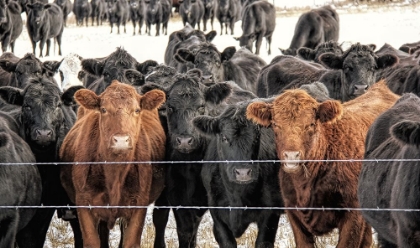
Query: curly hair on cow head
{"points": [[122, 57], [361, 49]]}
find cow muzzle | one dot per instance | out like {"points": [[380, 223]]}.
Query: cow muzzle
{"points": [[291, 161], [243, 175], [121, 143], [185, 144], [360, 89], [43, 137]]}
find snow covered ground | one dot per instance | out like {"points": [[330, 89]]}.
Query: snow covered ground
{"points": [[391, 25]]}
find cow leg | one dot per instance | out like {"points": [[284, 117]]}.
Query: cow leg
{"points": [[112, 25], [221, 28], [303, 238], [148, 26], [160, 220], [187, 222], [383, 243], [8, 227], [267, 228], [221, 230], [12, 46], [232, 27], [75, 226], [5, 43], [104, 234], [132, 234], [354, 232], [58, 39], [41, 47], [158, 29], [269, 43], [226, 28], [134, 27], [48, 41], [88, 226], [34, 233], [33, 46], [258, 43]]}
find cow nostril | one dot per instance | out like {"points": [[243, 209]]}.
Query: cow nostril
{"points": [[190, 141], [249, 172], [178, 140]]}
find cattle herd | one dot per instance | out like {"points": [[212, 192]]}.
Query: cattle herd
{"points": [[323, 134]]}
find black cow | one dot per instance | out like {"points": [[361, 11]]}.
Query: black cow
{"points": [[21, 70], [393, 184], [82, 10], [228, 12], [355, 71], [314, 27], [99, 9], [119, 65], [192, 12], [410, 47], [244, 184], [183, 39], [137, 14], [240, 66], [11, 24], [210, 7], [118, 13], [44, 121], [258, 21], [157, 13], [186, 99], [161, 75], [317, 90], [45, 21], [20, 185], [310, 54], [67, 7]]}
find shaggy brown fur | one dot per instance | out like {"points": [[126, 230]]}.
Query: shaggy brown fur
{"points": [[308, 130], [117, 126]]}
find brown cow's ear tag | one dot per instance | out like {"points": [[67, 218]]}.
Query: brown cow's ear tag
{"points": [[87, 98]]}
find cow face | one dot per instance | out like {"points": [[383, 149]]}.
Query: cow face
{"points": [[37, 11], [236, 139], [208, 59], [42, 117], [120, 109], [161, 75], [359, 65], [26, 69], [119, 65], [153, 8], [246, 41], [297, 120], [66, 71]]}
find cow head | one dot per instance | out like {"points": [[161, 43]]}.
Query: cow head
{"points": [[24, 70], [326, 47], [207, 58], [359, 65], [236, 139], [37, 10], [297, 121], [246, 41], [223, 10], [120, 109], [187, 98], [67, 70], [43, 116], [288, 51], [153, 8], [161, 75], [119, 65]]}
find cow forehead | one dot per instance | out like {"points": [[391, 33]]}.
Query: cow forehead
{"points": [[294, 106], [119, 96], [28, 65]]}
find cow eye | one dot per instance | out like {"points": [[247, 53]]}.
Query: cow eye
{"points": [[103, 110], [106, 74], [27, 107], [224, 139], [137, 111]]}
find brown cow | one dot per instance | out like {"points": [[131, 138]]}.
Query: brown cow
{"points": [[118, 125], [308, 130]]}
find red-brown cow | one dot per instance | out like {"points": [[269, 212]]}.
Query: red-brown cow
{"points": [[308, 130], [118, 125]]}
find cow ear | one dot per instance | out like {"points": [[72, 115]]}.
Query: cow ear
{"points": [[29, 6], [405, 49], [88, 99], [7, 65], [228, 53], [146, 66], [195, 73], [372, 46], [52, 65], [217, 93], [47, 6], [331, 60], [306, 53], [184, 55], [210, 36], [386, 60], [134, 77], [206, 124], [152, 99], [329, 111], [407, 132], [11, 95], [260, 113], [68, 96], [93, 66]]}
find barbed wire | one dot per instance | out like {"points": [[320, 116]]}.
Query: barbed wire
{"points": [[217, 207], [216, 162]]}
